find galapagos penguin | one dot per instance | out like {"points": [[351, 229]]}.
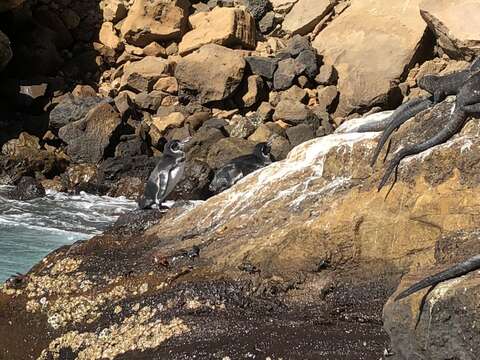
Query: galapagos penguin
{"points": [[240, 167], [166, 174]]}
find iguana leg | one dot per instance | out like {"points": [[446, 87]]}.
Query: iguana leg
{"points": [[399, 116], [472, 109], [453, 126]]}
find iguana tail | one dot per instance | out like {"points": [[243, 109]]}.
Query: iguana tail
{"points": [[456, 271]]}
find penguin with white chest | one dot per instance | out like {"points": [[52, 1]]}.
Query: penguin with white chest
{"points": [[166, 174]]}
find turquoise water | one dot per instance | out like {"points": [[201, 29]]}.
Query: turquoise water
{"points": [[29, 230]]}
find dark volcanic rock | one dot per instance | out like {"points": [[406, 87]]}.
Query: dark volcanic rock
{"points": [[73, 109], [28, 188], [5, 50], [262, 66], [258, 8], [296, 45], [89, 138], [267, 23], [307, 59], [299, 134], [194, 185], [284, 75]]}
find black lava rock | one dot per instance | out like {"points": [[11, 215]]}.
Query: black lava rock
{"points": [[262, 66]]}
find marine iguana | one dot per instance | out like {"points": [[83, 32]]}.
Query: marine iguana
{"points": [[399, 116], [467, 102], [437, 85], [455, 271]]}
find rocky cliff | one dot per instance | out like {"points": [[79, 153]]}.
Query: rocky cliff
{"points": [[297, 259]]}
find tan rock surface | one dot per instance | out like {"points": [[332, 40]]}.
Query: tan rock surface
{"points": [[305, 14], [456, 25], [108, 37], [212, 73], [142, 75], [157, 20], [223, 26], [370, 45]]}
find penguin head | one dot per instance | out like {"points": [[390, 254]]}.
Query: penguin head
{"points": [[262, 151], [176, 148]]}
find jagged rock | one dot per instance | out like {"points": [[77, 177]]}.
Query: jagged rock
{"points": [[299, 133], [134, 170], [194, 185], [326, 97], [154, 49], [455, 26], [295, 46], [142, 75], [89, 138], [266, 24], [262, 66], [240, 127], [82, 177], [157, 20], [203, 140], [293, 112], [28, 188], [223, 26], [327, 75], [131, 147], [124, 101], [114, 10], [228, 149], [162, 123], [72, 109], [5, 50], [395, 30], [83, 91], [307, 61], [20, 147], [167, 84], [212, 73], [284, 75], [294, 93], [149, 101], [265, 112], [108, 36], [305, 14], [254, 92], [282, 6], [258, 8]]}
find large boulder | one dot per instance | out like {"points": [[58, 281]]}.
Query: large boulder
{"points": [[379, 41], [212, 73], [5, 50], [89, 138], [156, 20], [305, 14], [223, 26], [441, 322], [72, 108], [142, 75], [455, 25]]}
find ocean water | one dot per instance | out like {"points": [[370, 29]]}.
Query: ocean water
{"points": [[29, 230]]}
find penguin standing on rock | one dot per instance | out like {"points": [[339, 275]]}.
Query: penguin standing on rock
{"points": [[166, 175], [240, 167]]}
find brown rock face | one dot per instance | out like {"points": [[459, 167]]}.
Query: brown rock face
{"points": [[157, 20], [212, 73], [88, 138], [378, 41], [305, 14], [5, 50], [142, 75], [223, 26], [455, 25]]}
